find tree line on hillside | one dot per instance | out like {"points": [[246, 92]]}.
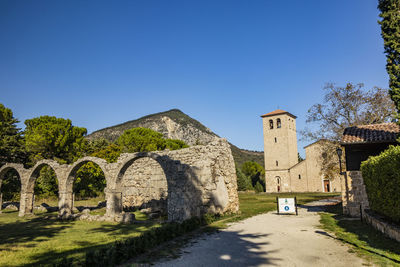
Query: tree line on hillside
{"points": [[48, 137]]}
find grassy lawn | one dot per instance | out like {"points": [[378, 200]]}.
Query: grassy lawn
{"points": [[42, 239], [366, 241], [252, 204]]}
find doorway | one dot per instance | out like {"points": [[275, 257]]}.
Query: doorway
{"points": [[278, 182], [327, 186]]}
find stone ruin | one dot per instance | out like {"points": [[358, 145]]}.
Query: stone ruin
{"points": [[181, 183]]}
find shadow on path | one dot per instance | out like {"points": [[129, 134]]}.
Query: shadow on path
{"points": [[226, 248]]}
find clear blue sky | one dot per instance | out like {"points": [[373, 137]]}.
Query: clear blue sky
{"points": [[224, 63]]}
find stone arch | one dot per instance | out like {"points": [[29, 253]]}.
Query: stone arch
{"points": [[143, 183], [66, 188], [115, 199], [18, 168], [27, 192]]}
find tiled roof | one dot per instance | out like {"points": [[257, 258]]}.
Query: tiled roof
{"points": [[373, 133], [278, 112]]}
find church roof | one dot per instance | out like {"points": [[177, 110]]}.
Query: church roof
{"points": [[373, 133], [278, 112]]}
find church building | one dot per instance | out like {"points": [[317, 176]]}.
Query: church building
{"points": [[283, 171]]}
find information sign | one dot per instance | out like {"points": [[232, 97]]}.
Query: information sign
{"points": [[286, 205]]}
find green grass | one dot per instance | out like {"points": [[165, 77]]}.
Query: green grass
{"points": [[364, 239], [252, 204], [42, 239]]}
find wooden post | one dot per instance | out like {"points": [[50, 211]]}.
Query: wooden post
{"points": [[1, 202], [295, 204], [277, 204]]}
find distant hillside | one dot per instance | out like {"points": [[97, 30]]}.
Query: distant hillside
{"points": [[175, 124]]}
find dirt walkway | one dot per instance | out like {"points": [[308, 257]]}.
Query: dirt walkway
{"points": [[269, 240]]}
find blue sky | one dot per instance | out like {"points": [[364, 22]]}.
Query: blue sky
{"points": [[224, 63]]}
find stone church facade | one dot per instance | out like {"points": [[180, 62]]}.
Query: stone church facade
{"points": [[283, 171]]}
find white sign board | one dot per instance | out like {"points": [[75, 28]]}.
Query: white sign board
{"points": [[286, 205]]}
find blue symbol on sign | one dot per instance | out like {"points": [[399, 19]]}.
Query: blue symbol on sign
{"points": [[286, 208]]}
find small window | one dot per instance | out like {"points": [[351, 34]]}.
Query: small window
{"points": [[278, 123], [276, 140], [299, 176], [276, 163], [271, 124]]}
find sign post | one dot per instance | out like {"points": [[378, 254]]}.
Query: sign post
{"points": [[286, 205]]}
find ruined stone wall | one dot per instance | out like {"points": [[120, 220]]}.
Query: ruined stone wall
{"points": [[145, 186], [195, 180], [198, 180], [354, 195]]}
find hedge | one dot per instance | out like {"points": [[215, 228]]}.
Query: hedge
{"points": [[382, 180], [123, 250]]}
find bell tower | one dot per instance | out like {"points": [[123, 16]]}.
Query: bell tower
{"points": [[280, 140]]}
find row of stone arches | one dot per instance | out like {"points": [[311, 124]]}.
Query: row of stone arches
{"points": [[66, 175], [190, 181]]}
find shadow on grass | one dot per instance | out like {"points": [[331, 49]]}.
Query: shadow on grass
{"points": [[53, 256], [38, 228], [122, 229], [362, 235]]}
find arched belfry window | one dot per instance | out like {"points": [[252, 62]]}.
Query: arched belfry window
{"points": [[271, 124], [278, 123]]}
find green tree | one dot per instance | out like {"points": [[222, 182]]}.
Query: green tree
{"points": [[12, 149], [259, 188], [174, 144], [390, 27], [11, 139], [54, 138], [46, 184], [243, 181], [255, 172], [90, 180], [144, 139], [140, 140]]}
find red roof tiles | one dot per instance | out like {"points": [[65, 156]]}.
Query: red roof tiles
{"points": [[373, 133], [278, 112]]}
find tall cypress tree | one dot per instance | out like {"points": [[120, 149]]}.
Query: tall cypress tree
{"points": [[390, 26]]}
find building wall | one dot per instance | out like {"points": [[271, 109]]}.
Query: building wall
{"points": [[284, 150], [298, 177], [272, 184], [314, 166]]}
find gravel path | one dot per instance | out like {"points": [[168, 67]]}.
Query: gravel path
{"points": [[269, 240]]}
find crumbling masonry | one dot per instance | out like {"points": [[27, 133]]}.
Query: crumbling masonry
{"points": [[189, 182]]}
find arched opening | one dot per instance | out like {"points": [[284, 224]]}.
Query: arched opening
{"points": [[278, 182], [10, 193], [85, 186], [278, 123], [42, 188], [144, 187], [271, 124]]}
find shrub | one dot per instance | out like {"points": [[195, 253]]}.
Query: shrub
{"points": [[243, 181], [382, 180], [123, 250], [259, 188]]}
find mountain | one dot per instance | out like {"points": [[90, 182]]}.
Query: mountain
{"points": [[175, 124]]}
